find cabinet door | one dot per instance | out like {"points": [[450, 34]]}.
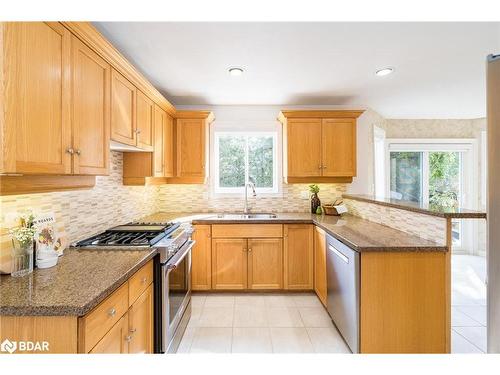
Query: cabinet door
{"points": [[265, 263], [123, 104], [140, 323], [159, 142], [90, 110], [339, 147], [116, 340], [304, 147], [229, 263], [298, 256], [201, 273], [144, 122], [320, 264], [190, 147], [37, 98], [168, 149]]}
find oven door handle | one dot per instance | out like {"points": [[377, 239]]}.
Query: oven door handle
{"points": [[181, 254]]}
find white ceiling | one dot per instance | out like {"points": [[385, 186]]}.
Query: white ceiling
{"points": [[439, 67]]}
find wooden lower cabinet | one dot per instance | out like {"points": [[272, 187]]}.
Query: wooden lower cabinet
{"points": [[298, 257], [140, 323], [115, 341], [265, 263], [229, 263], [201, 258], [320, 264]]}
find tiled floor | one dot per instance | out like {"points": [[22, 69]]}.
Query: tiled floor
{"points": [[468, 299], [260, 323]]}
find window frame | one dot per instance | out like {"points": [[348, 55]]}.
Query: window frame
{"points": [[240, 191]]}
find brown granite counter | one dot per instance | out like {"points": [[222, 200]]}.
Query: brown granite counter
{"points": [[359, 234], [78, 283], [446, 212]]}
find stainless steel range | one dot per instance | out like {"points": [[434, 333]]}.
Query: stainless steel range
{"points": [[172, 271]]}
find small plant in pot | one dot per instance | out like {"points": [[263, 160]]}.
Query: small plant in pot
{"points": [[315, 201]]}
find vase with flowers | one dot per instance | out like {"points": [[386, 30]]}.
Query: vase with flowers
{"points": [[22, 245]]}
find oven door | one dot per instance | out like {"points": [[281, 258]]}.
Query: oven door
{"points": [[176, 275]]}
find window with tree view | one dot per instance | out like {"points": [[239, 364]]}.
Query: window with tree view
{"points": [[244, 156]]}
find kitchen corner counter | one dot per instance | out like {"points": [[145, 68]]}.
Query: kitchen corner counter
{"points": [[446, 212], [78, 283], [359, 234]]}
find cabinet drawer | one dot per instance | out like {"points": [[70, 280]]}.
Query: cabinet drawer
{"points": [[139, 282], [94, 325], [247, 230]]}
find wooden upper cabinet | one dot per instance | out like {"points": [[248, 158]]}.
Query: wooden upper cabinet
{"points": [[144, 122], [168, 146], [339, 147], [298, 256], [123, 106], [201, 274], [320, 145], [229, 263], [159, 142], [191, 147], [320, 264], [304, 147], [265, 263], [140, 323], [36, 101], [90, 103]]}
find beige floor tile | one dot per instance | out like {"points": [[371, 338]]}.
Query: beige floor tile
{"points": [[198, 300], [251, 340], [315, 317], [284, 317], [195, 316], [219, 300], [290, 340], [279, 300], [460, 345], [327, 340], [212, 340], [307, 300], [187, 340], [255, 300], [216, 317], [250, 316]]}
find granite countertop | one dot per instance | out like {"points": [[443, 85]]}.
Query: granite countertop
{"points": [[78, 283], [446, 212], [85, 277], [359, 234]]}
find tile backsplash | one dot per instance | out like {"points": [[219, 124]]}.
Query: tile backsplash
{"points": [[83, 212], [197, 198]]}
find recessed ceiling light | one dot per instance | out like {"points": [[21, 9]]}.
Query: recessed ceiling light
{"points": [[236, 71], [384, 72]]}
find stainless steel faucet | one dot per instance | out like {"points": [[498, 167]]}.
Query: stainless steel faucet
{"points": [[251, 183]]}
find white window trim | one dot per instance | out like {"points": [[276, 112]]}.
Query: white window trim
{"points": [[470, 198], [262, 128]]}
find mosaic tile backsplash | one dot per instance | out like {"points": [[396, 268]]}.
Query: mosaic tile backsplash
{"points": [[83, 213], [196, 198], [425, 226]]}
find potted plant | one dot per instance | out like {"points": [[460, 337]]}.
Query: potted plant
{"points": [[315, 201]]}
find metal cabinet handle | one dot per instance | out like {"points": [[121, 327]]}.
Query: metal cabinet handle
{"points": [[137, 131], [249, 250], [320, 166], [128, 338], [144, 279], [132, 330], [70, 151], [324, 166], [112, 311], [78, 152]]}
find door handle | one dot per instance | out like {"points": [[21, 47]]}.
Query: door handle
{"points": [[339, 254]]}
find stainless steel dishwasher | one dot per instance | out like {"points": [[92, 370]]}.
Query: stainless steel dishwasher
{"points": [[343, 278]]}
